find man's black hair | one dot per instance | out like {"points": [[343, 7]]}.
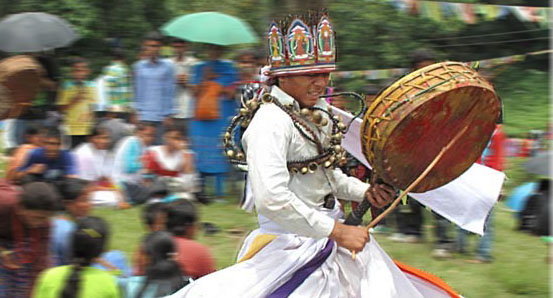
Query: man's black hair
{"points": [[153, 35], [52, 132], [181, 214], [70, 188], [117, 53], [421, 55], [32, 130], [172, 128], [144, 124], [78, 60], [178, 40], [151, 211], [40, 196]]}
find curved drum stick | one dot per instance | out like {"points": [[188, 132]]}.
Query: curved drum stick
{"points": [[416, 182]]}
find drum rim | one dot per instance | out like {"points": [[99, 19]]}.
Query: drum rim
{"points": [[370, 134]]}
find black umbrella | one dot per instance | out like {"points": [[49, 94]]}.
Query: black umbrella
{"points": [[540, 164], [34, 32]]}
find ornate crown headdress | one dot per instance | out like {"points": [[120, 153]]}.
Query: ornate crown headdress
{"points": [[308, 46]]}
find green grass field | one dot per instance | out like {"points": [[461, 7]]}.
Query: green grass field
{"points": [[519, 269]]}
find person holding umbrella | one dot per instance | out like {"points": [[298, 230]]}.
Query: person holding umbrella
{"points": [[37, 34], [213, 84]]}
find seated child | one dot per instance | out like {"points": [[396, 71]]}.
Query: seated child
{"points": [[95, 164], [75, 195], [154, 216], [33, 138], [80, 279], [162, 275], [24, 227], [195, 259], [48, 163], [173, 162]]}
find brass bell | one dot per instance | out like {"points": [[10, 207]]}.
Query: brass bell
{"points": [[324, 122], [337, 137], [332, 159], [240, 155], [294, 170], [305, 112], [245, 123], [327, 164], [230, 153], [337, 148], [312, 167], [243, 111], [267, 98], [317, 117], [252, 104], [227, 135], [341, 126], [304, 170]]}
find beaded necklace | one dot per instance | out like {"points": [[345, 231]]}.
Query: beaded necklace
{"points": [[328, 157]]}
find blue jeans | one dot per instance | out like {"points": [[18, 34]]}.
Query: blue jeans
{"points": [[484, 249]]}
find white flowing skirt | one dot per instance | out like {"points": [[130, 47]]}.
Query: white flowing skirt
{"points": [[371, 274]]}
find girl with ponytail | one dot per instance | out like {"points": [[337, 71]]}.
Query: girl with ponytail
{"points": [[80, 280], [163, 275]]}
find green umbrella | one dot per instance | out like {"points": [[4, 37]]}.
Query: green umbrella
{"points": [[210, 27]]}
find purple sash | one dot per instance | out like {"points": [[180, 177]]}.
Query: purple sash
{"points": [[301, 274]]}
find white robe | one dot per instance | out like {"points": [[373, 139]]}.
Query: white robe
{"points": [[290, 207], [93, 164]]}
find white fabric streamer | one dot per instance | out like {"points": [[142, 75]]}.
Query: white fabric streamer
{"points": [[465, 201]]}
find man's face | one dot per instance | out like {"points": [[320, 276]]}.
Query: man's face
{"points": [[173, 139], [81, 206], [306, 89], [80, 71], [36, 139], [179, 48], [101, 141], [52, 147], [247, 65], [148, 135], [35, 218], [151, 48]]}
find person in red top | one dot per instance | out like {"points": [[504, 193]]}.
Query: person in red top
{"points": [[194, 258], [170, 159], [494, 154], [24, 232], [174, 163]]}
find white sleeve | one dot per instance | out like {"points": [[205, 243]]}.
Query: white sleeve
{"points": [[84, 164], [267, 140], [349, 188]]}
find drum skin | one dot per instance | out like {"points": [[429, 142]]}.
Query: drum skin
{"points": [[20, 76], [409, 123]]}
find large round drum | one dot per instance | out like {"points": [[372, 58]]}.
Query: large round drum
{"points": [[409, 123], [20, 77]]}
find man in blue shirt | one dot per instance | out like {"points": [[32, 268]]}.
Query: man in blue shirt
{"points": [[48, 163], [154, 84]]}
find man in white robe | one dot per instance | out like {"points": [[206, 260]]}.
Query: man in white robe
{"points": [[302, 248]]}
